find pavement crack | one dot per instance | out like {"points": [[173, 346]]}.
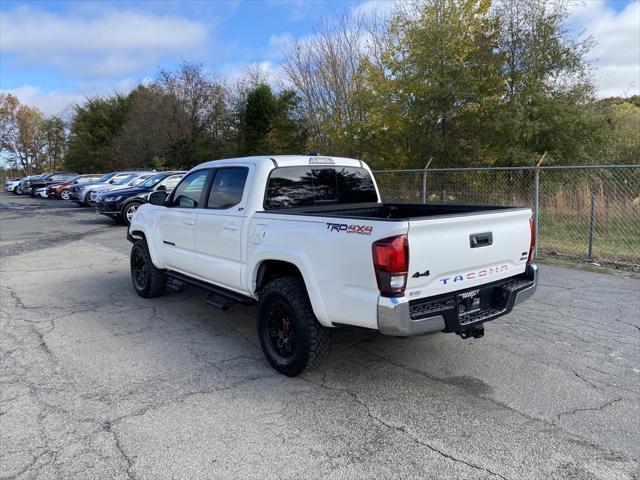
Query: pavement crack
{"points": [[401, 429], [108, 427], [587, 409]]}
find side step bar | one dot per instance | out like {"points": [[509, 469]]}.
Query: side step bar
{"points": [[227, 299]]}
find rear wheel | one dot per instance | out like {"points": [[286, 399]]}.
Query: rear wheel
{"points": [[128, 211], [148, 281], [64, 194], [290, 335]]}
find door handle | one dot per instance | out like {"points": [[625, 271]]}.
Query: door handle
{"points": [[189, 222], [231, 226]]}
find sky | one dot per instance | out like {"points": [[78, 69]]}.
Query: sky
{"points": [[56, 53]]}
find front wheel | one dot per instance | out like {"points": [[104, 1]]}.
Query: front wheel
{"points": [[148, 281], [17, 191], [290, 335], [128, 212], [64, 194]]}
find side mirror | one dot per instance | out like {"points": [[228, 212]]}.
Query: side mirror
{"points": [[161, 188], [158, 198]]}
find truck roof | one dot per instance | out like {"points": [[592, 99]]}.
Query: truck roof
{"points": [[288, 161]]}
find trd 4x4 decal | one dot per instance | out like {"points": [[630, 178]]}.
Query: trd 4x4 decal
{"points": [[343, 227]]}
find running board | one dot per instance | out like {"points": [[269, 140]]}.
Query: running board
{"points": [[228, 297]]}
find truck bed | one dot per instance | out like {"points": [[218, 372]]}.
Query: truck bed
{"points": [[393, 211]]}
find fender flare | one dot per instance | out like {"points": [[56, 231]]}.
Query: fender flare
{"points": [[306, 270]]}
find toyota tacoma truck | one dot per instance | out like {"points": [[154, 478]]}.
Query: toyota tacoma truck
{"points": [[309, 241]]}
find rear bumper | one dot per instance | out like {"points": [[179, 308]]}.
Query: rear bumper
{"points": [[402, 318]]}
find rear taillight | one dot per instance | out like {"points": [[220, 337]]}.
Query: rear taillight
{"points": [[532, 243], [391, 264]]}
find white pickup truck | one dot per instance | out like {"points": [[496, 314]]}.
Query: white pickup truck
{"points": [[308, 239]]}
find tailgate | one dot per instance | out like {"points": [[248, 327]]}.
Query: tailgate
{"points": [[457, 252]]}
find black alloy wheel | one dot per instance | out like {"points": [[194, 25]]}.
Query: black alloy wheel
{"points": [[280, 329]]}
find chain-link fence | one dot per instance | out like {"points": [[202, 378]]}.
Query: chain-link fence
{"points": [[582, 213]]}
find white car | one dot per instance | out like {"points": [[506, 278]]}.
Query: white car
{"points": [[41, 192], [308, 239], [10, 185]]}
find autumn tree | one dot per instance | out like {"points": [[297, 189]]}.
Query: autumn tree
{"points": [[27, 145], [9, 105]]}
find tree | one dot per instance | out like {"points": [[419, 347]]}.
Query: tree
{"points": [[199, 113], [322, 70], [94, 128], [27, 146], [55, 134], [547, 85], [9, 106], [436, 85], [271, 123], [149, 131]]}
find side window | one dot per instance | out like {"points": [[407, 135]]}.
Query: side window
{"points": [[227, 187], [187, 194], [169, 183]]}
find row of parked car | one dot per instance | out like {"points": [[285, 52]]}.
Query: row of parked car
{"points": [[116, 194]]}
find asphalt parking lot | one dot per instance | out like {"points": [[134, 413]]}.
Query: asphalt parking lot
{"points": [[99, 383]]}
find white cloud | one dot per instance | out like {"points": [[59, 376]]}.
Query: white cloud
{"points": [[271, 72], [111, 43], [616, 55], [61, 102], [53, 102], [278, 43], [371, 8]]}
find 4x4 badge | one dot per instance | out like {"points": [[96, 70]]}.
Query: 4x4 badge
{"points": [[423, 274]]}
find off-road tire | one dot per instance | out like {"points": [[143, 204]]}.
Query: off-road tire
{"points": [[152, 282], [312, 340]]}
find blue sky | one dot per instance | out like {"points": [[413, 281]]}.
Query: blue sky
{"points": [[55, 53]]}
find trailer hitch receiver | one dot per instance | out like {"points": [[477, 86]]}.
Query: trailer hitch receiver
{"points": [[476, 331]]}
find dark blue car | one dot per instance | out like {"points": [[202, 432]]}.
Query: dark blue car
{"points": [[122, 204]]}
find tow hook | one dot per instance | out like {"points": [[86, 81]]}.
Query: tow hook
{"points": [[477, 331]]}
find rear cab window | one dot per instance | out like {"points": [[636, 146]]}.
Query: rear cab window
{"points": [[307, 186]]}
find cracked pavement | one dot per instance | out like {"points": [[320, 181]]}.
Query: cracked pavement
{"points": [[96, 382]]}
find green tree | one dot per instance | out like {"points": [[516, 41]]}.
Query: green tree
{"points": [[270, 123], [547, 86], [55, 141], [436, 86], [94, 128]]}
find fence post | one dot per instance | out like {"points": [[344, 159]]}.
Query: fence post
{"points": [[424, 181], [592, 222], [536, 201]]}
